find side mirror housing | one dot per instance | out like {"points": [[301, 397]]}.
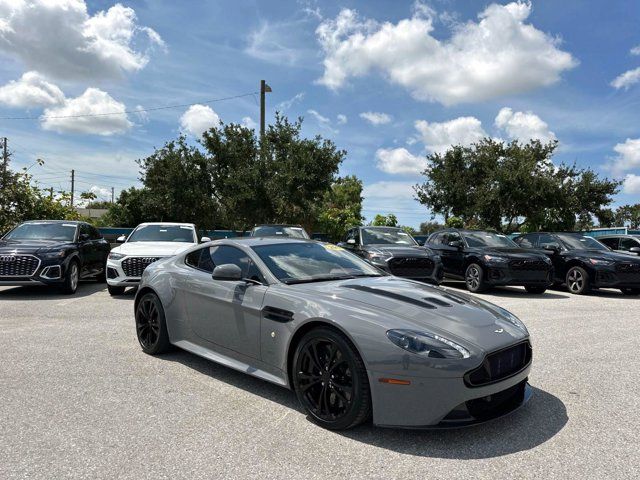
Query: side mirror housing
{"points": [[351, 241], [456, 244], [205, 240], [635, 250], [121, 239], [551, 247], [227, 273], [83, 237]]}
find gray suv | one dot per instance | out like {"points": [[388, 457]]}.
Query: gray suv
{"points": [[629, 244]]}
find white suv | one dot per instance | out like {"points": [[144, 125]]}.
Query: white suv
{"points": [[147, 243]]}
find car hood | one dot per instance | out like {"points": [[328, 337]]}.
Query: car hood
{"points": [[32, 246], [398, 251], [611, 256], [401, 303], [155, 249]]}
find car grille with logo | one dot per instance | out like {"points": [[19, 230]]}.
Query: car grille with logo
{"points": [[134, 266], [412, 267], [18, 265], [628, 272], [529, 265], [530, 270], [500, 365]]}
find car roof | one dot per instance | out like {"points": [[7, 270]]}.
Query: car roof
{"points": [[254, 241], [277, 225], [75, 222], [169, 224]]}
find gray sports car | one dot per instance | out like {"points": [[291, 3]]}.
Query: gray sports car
{"points": [[350, 340]]}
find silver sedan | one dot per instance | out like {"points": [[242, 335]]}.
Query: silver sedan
{"points": [[353, 342]]}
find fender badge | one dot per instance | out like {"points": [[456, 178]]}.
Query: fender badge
{"points": [[500, 330]]}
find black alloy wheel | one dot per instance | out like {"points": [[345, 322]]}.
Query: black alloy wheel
{"points": [[578, 281], [330, 380], [71, 278], [535, 289], [474, 278], [151, 326], [630, 291]]}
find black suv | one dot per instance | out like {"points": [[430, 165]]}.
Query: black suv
{"points": [[583, 263], [394, 251], [486, 259], [52, 252]]}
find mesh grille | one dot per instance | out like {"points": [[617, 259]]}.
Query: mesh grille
{"points": [[18, 265], [411, 267], [134, 266], [500, 365]]}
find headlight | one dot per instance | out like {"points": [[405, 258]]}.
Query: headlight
{"points": [[54, 255], [378, 257], [511, 318], [495, 259], [600, 261], [427, 344], [116, 256]]}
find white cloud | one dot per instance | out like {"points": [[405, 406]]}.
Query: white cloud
{"points": [[387, 190], [61, 39], [323, 121], [141, 114], [31, 90], [635, 50], [341, 119], [498, 55], [631, 184], [439, 137], [626, 79], [248, 122], [198, 119], [523, 126], [376, 118], [287, 104], [399, 160], [86, 114], [628, 156]]}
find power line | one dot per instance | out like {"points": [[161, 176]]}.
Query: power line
{"points": [[125, 112]]}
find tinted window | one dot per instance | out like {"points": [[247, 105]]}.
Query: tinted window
{"points": [[449, 237], [526, 241], [628, 243], [488, 239], [581, 242], [435, 239], [43, 231], [85, 230], [279, 231], [162, 233], [610, 242], [225, 254], [386, 236], [94, 234], [200, 259]]}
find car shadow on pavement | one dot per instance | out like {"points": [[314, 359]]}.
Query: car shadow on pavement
{"points": [[44, 292], [512, 292], [533, 424]]}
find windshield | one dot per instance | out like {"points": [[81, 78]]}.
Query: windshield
{"points": [[488, 239], [580, 242], [280, 231], [386, 236], [312, 262], [162, 233], [43, 231]]}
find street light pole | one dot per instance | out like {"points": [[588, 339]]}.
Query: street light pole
{"points": [[264, 88]]}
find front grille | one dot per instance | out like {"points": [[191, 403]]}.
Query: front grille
{"points": [[500, 365], [628, 267], [18, 265], [529, 265], [134, 266], [628, 273], [413, 267]]}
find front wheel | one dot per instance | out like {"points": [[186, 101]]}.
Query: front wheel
{"points": [[630, 291], [474, 278], [535, 289], [578, 281], [330, 380], [71, 278], [151, 325]]}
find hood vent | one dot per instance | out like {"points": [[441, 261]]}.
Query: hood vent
{"points": [[392, 295]]}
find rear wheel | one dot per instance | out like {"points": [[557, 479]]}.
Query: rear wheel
{"points": [[578, 281], [330, 380], [474, 278], [535, 289], [151, 326], [630, 291], [113, 291], [71, 278]]}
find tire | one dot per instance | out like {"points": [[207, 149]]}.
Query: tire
{"points": [[330, 380], [535, 289], [71, 278], [474, 278], [151, 325], [578, 281], [630, 291], [113, 291]]}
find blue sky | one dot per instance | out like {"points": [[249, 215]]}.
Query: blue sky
{"points": [[387, 81]]}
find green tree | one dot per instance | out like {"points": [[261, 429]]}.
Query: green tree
{"points": [[430, 227], [454, 222], [341, 208], [628, 216], [389, 220]]}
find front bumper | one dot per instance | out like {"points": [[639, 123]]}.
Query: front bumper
{"points": [[116, 277], [618, 276], [499, 275], [47, 272]]}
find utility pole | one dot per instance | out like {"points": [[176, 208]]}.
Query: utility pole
{"points": [[51, 193], [264, 88], [73, 184], [5, 161], [112, 194]]}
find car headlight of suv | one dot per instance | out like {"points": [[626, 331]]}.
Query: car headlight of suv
{"points": [[55, 254], [495, 259], [116, 256], [600, 261], [379, 258], [427, 344]]}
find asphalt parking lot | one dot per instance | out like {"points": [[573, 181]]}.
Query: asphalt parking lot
{"points": [[79, 399]]}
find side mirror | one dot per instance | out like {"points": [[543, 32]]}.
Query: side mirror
{"points": [[121, 239], [83, 237], [551, 247], [456, 244], [205, 240], [227, 272], [635, 250], [351, 241]]}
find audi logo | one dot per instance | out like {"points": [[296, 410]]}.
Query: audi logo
{"points": [[7, 258]]}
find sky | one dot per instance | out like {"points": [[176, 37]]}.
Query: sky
{"points": [[84, 85]]}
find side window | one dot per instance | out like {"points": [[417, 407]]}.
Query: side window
{"points": [[611, 243], [545, 239], [85, 230], [225, 254], [526, 241], [451, 237], [94, 233], [200, 259], [435, 239], [628, 243]]}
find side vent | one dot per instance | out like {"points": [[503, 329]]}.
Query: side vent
{"points": [[277, 314]]}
